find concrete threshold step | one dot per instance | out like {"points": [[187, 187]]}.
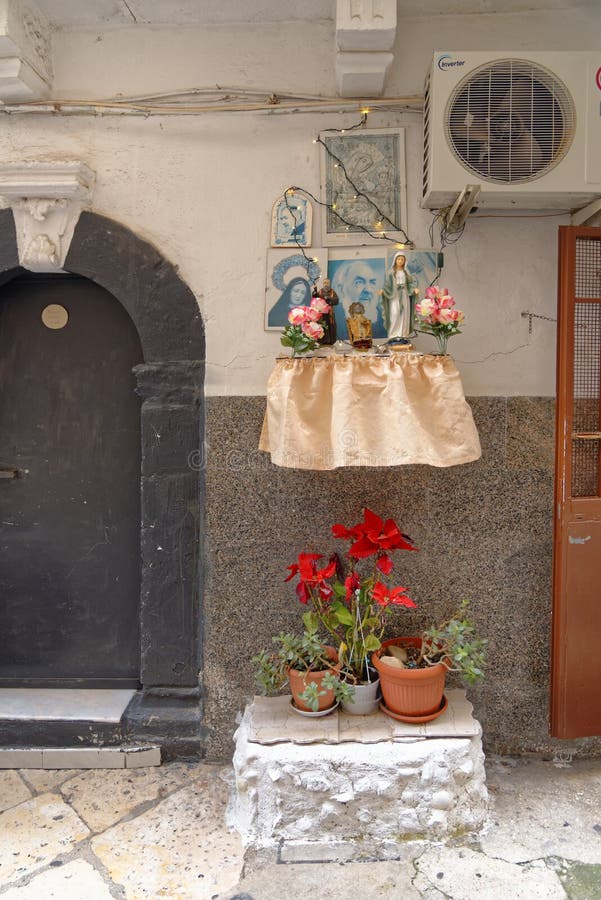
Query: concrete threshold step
{"points": [[64, 704], [124, 757], [57, 718]]}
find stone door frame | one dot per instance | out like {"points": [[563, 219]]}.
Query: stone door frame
{"points": [[171, 384]]}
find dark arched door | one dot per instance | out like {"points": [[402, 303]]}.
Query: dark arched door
{"points": [[69, 486]]}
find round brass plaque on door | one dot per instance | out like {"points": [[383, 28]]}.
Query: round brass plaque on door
{"points": [[55, 316]]}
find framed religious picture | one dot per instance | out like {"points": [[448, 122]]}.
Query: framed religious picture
{"points": [[290, 278], [363, 186], [357, 276], [291, 221]]}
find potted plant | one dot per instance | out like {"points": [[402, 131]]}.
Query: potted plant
{"points": [[310, 668], [413, 670], [350, 601]]}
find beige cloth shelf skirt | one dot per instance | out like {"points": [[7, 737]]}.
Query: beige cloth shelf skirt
{"points": [[326, 412]]}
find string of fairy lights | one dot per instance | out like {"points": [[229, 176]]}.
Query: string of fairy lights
{"points": [[385, 230], [383, 223]]}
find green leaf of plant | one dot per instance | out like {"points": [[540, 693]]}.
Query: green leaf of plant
{"points": [[311, 622], [372, 643], [342, 613]]}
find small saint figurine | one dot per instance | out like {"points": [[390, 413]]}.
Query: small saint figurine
{"points": [[359, 327], [328, 321]]}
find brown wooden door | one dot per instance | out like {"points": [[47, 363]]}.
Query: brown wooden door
{"points": [[70, 520], [576, 654]]}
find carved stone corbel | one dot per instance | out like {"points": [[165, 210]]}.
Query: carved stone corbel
{"points": [[46, 199], [25, 52], [365, 34]]}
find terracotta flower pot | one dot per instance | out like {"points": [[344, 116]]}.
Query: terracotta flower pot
{"points": [[298, 681], [410, 692]]}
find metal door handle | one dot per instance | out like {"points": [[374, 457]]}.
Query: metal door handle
{"points": [[10, 473], [586, 436]]}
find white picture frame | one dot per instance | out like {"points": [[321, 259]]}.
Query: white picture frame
{"points": [[289, 270], [363, 182], [292, 221]]}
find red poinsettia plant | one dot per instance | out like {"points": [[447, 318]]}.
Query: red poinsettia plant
{"points": [[351, 599]]}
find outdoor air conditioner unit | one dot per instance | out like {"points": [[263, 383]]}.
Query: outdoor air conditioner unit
{"points": [[523, 126]]}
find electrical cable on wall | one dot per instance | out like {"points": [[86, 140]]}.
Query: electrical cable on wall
{"points": [[225, 99], [526, 314]]}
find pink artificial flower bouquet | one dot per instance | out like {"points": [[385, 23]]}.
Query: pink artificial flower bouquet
{"points": [[304, 331], [437, 315]]}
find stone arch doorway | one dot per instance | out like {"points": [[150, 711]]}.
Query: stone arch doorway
{"points": [[170, 383]]}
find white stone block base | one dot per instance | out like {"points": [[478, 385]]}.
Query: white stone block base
{"points": [[375, 793]]}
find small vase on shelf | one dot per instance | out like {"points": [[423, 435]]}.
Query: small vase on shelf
{"points": [[441, 340]]}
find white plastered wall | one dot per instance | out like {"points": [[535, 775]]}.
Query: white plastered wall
{"points": [[201, 188]]}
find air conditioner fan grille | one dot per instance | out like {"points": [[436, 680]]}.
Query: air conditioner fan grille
{"points": [[510, 121]]}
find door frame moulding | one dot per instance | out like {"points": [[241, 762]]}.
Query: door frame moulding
{"points": [[167, 710]]}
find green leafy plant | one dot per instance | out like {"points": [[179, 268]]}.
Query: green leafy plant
{"points": [[305, 654], [455, 644]]}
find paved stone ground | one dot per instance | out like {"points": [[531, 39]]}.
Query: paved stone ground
{"points": [[162, 833]]}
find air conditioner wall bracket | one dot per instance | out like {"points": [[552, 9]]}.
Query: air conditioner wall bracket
{"points": [[583, 216], [461, 208]]}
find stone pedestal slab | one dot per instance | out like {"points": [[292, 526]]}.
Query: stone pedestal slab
{"points": [[361, 779]]}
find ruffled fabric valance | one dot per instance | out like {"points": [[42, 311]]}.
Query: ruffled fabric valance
{"points": [[326, 412]]}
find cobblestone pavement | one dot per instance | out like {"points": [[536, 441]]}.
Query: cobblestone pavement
{"points": [[162, 833]]}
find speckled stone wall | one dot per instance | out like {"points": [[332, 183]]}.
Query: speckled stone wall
{"points": [[484, 531]]}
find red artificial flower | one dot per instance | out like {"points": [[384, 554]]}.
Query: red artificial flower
{"points": [[347, 534], [328, 571], [384, 564], [398, 597], [304, 559], [325, 592], [351, 583], [378, 535], [302, 592], [395, 596], [310, 576]]}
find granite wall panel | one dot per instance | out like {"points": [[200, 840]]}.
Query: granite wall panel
{"points": [[484, 531]]}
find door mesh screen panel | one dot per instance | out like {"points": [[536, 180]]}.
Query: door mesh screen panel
{"points": [[588, 268], [587, 366]]}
